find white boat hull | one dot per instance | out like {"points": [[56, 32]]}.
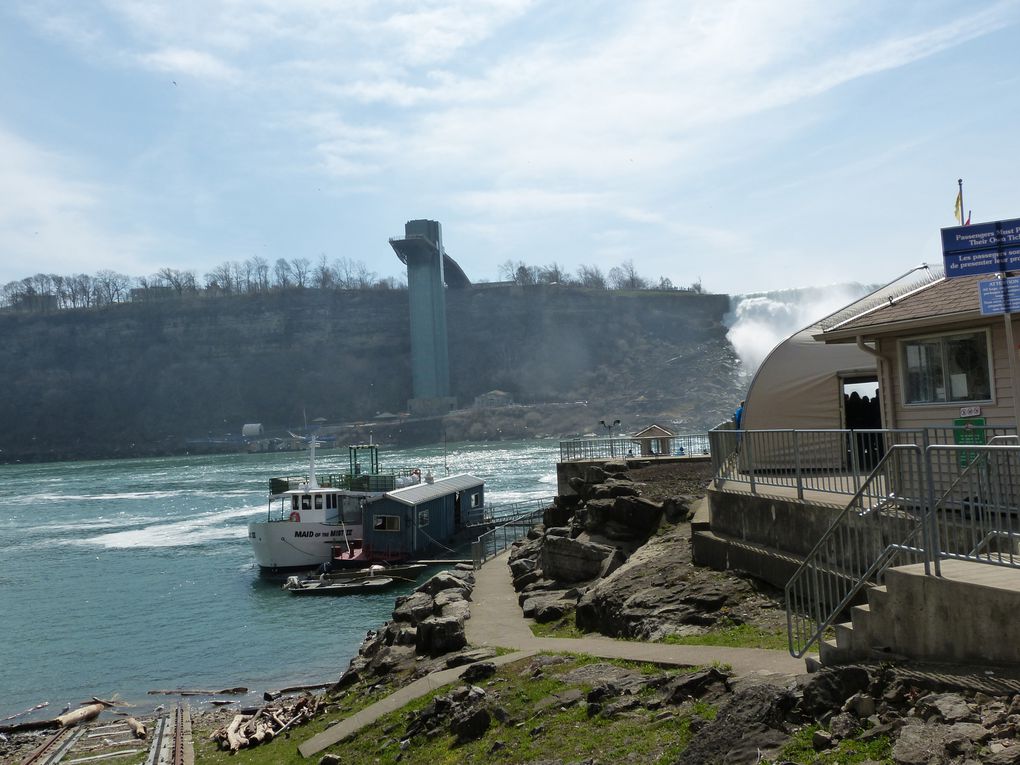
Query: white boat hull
{"points": [[296, 544]]}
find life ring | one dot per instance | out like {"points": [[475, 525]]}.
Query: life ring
{"points": [[295, 516]]}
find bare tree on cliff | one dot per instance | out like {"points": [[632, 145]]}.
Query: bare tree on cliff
{"points": [[625, 277], [591, 277]]}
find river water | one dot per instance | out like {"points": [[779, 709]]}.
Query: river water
{"points": [[119, 577]]}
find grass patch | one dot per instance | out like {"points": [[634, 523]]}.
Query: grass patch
{"points": [[564, 627], [734, 636], [847, 752], [532, 733]]}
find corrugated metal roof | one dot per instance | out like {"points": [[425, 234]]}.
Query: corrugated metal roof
{"points": [[423, 492]]}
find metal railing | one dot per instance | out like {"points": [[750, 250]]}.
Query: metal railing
{"points": [[976, 517], [960, 502], [883, 521], [493, 542], [826, 461], [593, 449], [490, 514]]}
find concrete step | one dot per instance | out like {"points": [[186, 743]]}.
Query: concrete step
{"points": [[830, 654], [845, 635]]}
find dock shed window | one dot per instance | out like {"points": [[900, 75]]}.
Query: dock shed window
{"points": [[423, 518], [476, 499], [386, 523], [947, 368]]}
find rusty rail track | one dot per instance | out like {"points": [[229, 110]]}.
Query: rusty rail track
{"points": [[55, 747]]}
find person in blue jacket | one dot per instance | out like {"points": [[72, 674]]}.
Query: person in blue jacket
{"points": [[739, 414]]}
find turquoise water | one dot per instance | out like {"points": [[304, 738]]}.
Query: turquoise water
{"points": [[130, 575]]}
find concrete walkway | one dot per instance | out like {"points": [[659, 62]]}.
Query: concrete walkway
{"points": [[496, 622]]}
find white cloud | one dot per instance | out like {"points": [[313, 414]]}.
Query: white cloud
{"points": [[192, 63]]}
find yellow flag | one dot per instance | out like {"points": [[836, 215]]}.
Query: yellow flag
{"points": [[958, 210]]}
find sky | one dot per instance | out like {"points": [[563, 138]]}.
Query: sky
{"points": [[748, 145]]}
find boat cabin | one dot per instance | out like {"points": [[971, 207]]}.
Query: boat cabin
{"points": [[411, 521]]}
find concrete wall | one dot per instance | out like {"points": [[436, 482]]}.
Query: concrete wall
{"points": [[786, 525]]}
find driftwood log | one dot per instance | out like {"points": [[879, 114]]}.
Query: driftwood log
{"points": [[81, 714], [136, 728], [248, 730]]}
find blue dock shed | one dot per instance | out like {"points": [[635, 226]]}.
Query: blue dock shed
{"points": [[412, 521]]}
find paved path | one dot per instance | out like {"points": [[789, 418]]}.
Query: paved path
{"points": [[496, 621]]}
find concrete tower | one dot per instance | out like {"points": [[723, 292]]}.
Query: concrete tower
{"points": [[421, 250]]}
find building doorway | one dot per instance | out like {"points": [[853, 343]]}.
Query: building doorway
{"points": [[862, 411]]}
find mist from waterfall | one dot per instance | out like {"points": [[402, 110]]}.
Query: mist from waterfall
{"points": [[759, 322]]}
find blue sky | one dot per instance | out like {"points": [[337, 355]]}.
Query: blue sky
{"points": [[752, 145]]}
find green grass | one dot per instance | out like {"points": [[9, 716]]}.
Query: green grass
{"points": [[565, 627], [734, 636], [553, 733], [847, 752]]}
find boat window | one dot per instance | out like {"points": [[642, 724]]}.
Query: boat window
{"points": [[306, 502], [318, 501], [386, 523], [423, 517], [331, 501], [476, 499], [293, 503]]}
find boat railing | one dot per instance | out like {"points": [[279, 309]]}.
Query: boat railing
{"points": [[384, 480]]}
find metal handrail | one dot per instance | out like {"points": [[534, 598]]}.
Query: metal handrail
{"points": [[963, 527], [494, 541], [844, 560]]}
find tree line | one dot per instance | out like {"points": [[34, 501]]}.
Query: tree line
{"points": [[252, 276], [622, 277], [257, 275]]}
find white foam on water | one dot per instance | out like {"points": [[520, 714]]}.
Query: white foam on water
{"points": [[189, 532]]}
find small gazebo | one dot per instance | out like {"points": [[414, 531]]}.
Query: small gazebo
{"points": [[655, 441]]}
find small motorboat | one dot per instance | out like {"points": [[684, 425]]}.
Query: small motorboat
{"points": [[407, 572], [324, 586]]}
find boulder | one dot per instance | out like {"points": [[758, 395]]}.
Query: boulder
{"points": [[479, 671], [573, 560], [749, 726], [919, 744], [470, 724], [445, 580], [440, 634], [469, 657], [414, 607], [828, 689], [558, 514], [625, 517]]}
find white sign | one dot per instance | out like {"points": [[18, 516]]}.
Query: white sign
{"points": [[970, 411]]}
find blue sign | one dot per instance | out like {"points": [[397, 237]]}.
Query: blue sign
{"points": [[1000, 295], [984, 248]]}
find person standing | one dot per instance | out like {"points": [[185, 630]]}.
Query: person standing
{"points": [[739, 414]]}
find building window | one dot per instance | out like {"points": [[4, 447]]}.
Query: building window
{"points": [[947, 369], [476, 499], [423, 518], [386, 523]]}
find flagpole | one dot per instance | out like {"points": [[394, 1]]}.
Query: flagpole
{"points": [[959, 181]]}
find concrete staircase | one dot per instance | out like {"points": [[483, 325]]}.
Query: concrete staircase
{"points": [[969, 614]]}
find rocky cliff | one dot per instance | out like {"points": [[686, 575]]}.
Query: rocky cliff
{"points": [[137, 378]]}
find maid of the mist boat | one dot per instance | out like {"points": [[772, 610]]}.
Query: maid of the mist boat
{"points": [[309, 516]]}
